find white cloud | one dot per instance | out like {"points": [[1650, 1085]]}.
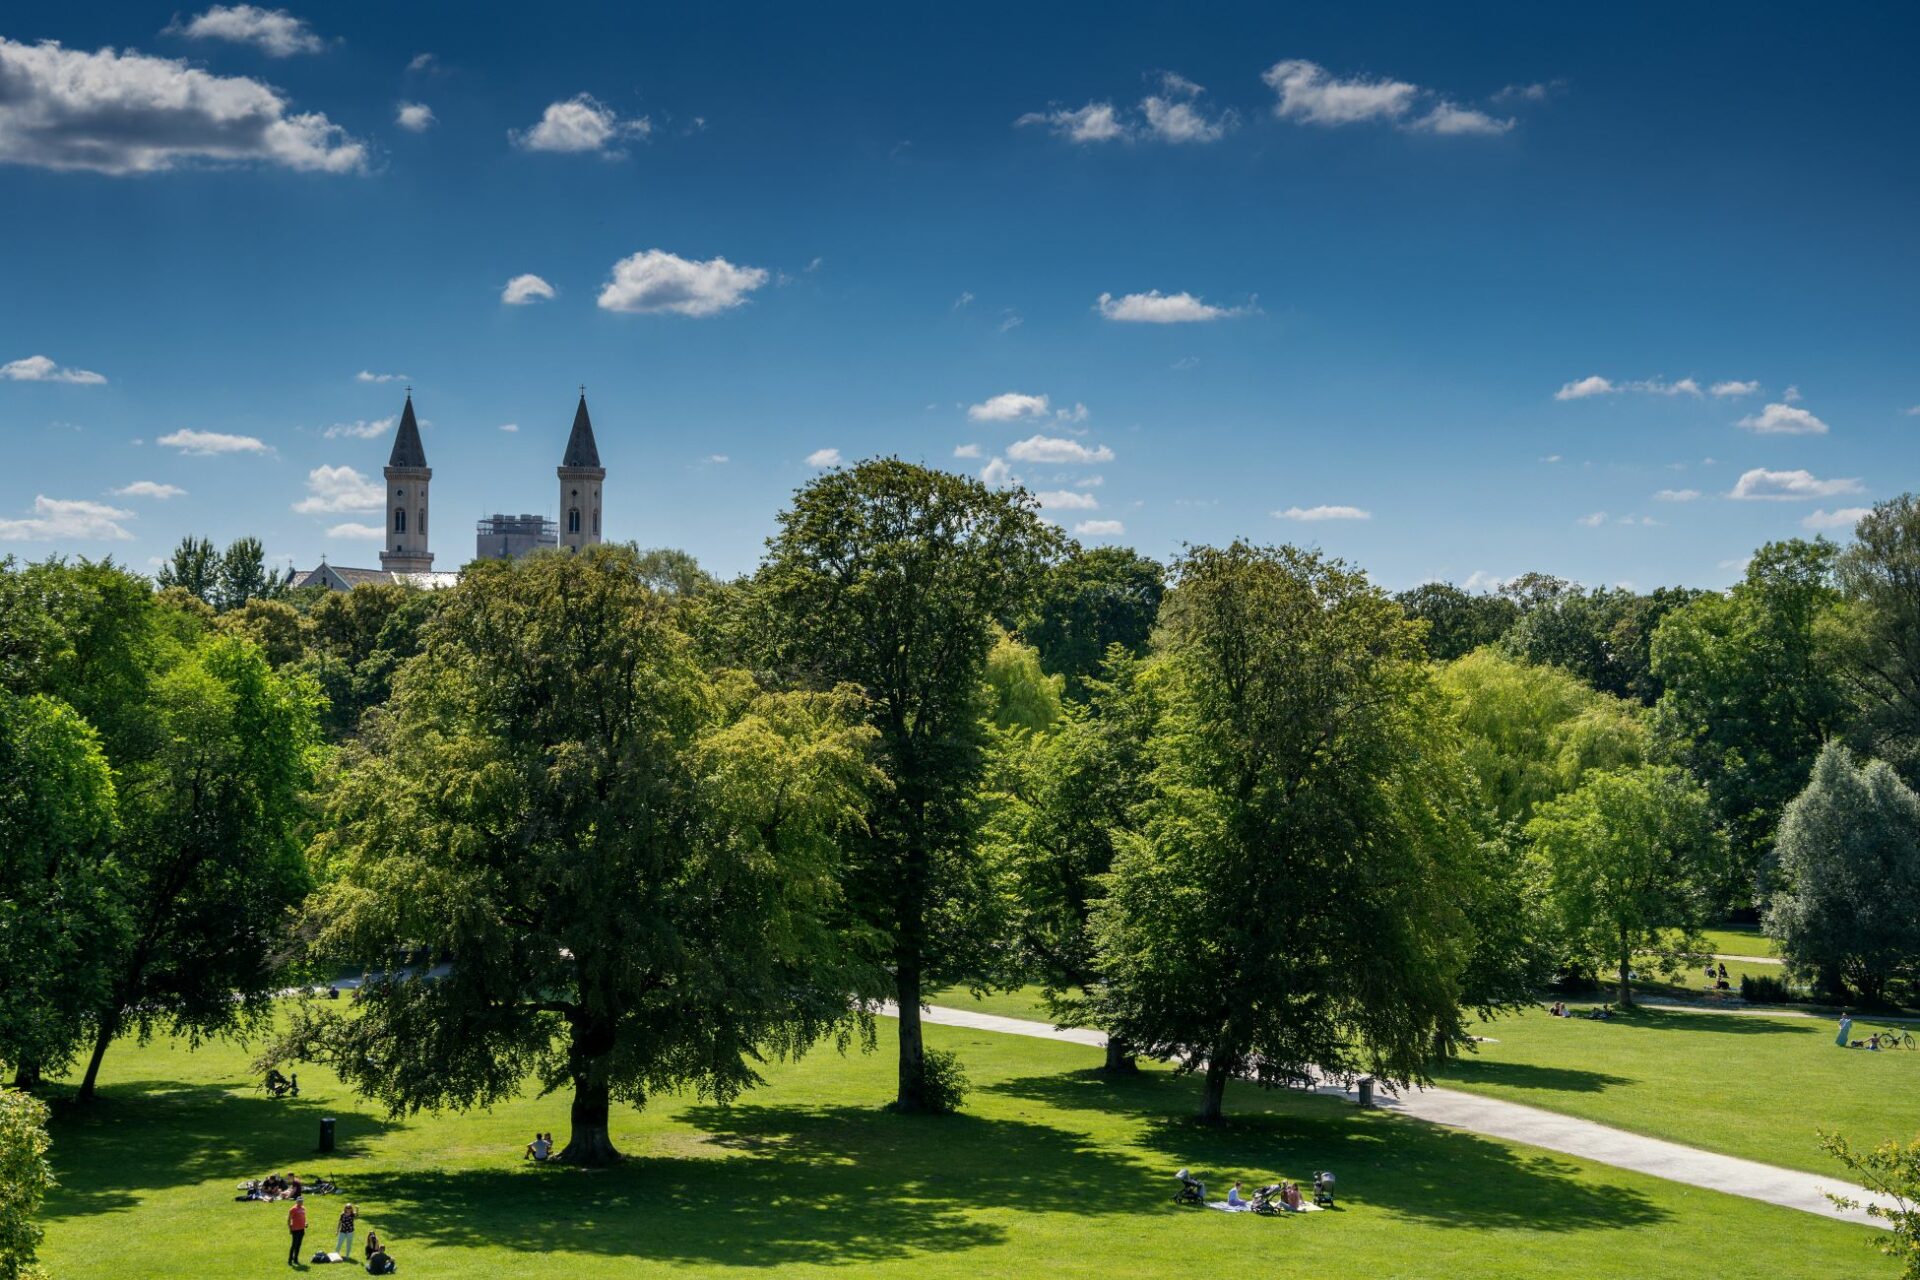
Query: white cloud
{"points": [[1791, 395], [1089, 482], [1008, 406], [1596, 385], [367, 375], [1589, 386], [333, 489], [1175, 117], [1100, 528], [1011, 320], [1095, 122], [824, 458], [66, 518], [1155, 307], [1056, 449], [1323, 513], [423, 62], [523, 289], [509, 427], [1079, 413], [356, 530], [1481, 580], [718, 459], [1528, 92], [274, 31], [1068, 500], [657, 281], [204, 444], [1734, 387], [1760, 483], [1676, 495], [1842, 518], [130, 113], [1450, 120], [966, 451], [579, 123], [1913, 412], [996, 473], [1783, 420], [415, 117], [1552, 458], [1312, 96], [1593, 521], [151, 489], [41, 369], [364, 429], [966, 296]]}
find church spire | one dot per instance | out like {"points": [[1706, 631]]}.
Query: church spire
{"points": [[407, 449], [581, 450]]}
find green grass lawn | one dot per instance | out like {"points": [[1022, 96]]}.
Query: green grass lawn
{"points": [[1739, 940], [1054, 1170], [1692, 982], [1026, 1002], [1749, 1086]]}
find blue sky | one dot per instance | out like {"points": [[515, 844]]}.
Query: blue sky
{"points": [[1360, 263]]}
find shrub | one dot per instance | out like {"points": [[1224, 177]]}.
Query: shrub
{"points": [[944, 1082], [1765, 989]]}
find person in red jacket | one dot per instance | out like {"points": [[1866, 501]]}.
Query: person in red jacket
{"points": [[297, 1228]]}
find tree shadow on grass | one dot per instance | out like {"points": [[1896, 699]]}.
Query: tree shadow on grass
{"points": [[1664, 1018], [1417, 1171], [1527, 1075], [139, 1135], [841, 1185]]}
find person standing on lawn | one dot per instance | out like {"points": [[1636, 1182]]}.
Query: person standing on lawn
{"points": [[344, 1245], [297, 1229], [1846, 1028]]}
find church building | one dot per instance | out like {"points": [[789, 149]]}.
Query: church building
{"points": [[406, 555]]}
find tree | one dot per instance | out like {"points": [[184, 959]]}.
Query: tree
{"points": [[1289, 894], [274, 626], [1090, 601], [1879, 642], [1458, 622], [58, 922], [25, 1177], [644, 857], [194, 568], [355, 641], [1893, 1170], [891, 577], [1627, 858], [1023, 695], [674, 572], [244, 576], [1849, 858], [1751, 692]]}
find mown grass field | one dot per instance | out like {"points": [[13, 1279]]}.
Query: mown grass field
{"points": [[1751, 1086], [1054, 1170]]}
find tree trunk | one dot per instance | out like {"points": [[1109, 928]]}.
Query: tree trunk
{"points": [[26, 1076], [1216, 1094], [589, 1143], [1626, 966], [109, 1026], [1120, 1058], [913, 1049]]}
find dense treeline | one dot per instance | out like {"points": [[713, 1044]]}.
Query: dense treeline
{"points": [[1247, 812]]}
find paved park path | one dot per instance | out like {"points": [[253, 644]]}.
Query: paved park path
{"points": [[1515, 1122]]}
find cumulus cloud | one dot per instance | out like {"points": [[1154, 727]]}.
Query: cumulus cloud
{"points": [[335, 489], [966, 451], [1676, 495], [1783, 420], [1734, 387], [1078, 413], [415, 117], [579, 123], [1068, 500], [203, 444], [1596, 385], [1450, 120], [363, 429], [367, 375], [523, 289], [1174, 114], [1791, 395], [355, 530], [657, 281], [509, 427], [118, 113], [151, 489], [1309, 94], [55, 518], [1155, 307], [1095, 122], [1008, 406], [1100, 528], [1323, 513], [997, 473], [1057, 449], [423, 62], [1787, 486], [824, 458], [1842, 518], [1593, 521], [42, 369], [275, 32]]}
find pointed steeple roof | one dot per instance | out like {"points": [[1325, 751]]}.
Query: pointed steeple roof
{"points": [[581, 451], [407, 449]]}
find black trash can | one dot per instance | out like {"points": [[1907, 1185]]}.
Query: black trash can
{"points": [[326, 1135], [1365, 1086]]}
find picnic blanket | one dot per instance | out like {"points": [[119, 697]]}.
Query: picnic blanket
{"points": [[1306, 1206]]}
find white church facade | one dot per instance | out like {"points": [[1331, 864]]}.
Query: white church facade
{"points": [[406, 556]]}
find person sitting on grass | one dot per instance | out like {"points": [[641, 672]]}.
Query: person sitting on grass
{"points": [[1290, 1195], [539, 1149], [1235, 1200], [1559, 1009], [379, 1261]]}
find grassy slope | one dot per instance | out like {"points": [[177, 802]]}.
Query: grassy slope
{"points": [[1052, 1171], [1736, 940], [1748, 1086], [1026, 1002]]}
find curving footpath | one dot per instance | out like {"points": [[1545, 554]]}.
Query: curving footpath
{"points": [[1516, 1122]]}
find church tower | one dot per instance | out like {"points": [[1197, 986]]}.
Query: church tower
{"points": [[580, 478], [405, 548]]}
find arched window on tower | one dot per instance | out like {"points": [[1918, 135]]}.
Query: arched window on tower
{"points": [[596, 524], [423, 522], [573, 520], [399, 519]]}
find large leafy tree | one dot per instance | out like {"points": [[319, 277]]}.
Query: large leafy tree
{"points": [[632, 862], [1458, 622], [1090, 601], [1752, 690], [1849, 856], [892, 577], [1879, 641], [224, 579], [25, 1177], [1291, 895], [1627, 858], [354, 642]]}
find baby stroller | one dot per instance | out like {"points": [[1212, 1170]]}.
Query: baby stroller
{"points": [[1191, 1191], [279, 1086], [1267, 1200], [1323, 1189]]}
